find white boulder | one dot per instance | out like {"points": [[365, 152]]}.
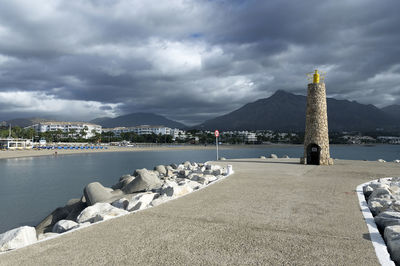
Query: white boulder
{"points": [[387, 218], [161, 169], [168, 188], [215, 167], [200, 179], [99, 212], [381, 161], [394, 188], [63, 226], [160, 200], [367, 189], [121, 203], [273, 156], [145, 180], [17, 238], [392, 238], [396, 161], [96, 192], [379, 205], [182, 190], [140, 201], [384, 181], [380, 193], [395, 206], [221, 171], [192, 184], [188, 165], [210, 178], [172, 189], [184, 173], [123, 181]]}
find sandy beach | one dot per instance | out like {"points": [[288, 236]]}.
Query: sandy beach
{"points": [[33, 153]]}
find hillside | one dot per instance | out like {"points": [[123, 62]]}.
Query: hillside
{"points": [[137, 119], [24, 122], [393, 110], [284, 111]]}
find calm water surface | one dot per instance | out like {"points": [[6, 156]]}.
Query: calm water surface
{"points": [[30, 188]]}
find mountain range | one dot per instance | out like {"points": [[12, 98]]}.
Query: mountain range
{"points": [[392, 110], [129, 120], [24, 122], [283, 111], [137, 119]]}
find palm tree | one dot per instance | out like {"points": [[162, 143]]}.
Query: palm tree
{"points": [[72, 132], [83, 133]]}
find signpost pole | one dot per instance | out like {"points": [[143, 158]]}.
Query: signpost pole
{"points": [[216, 133], [216, 142]]}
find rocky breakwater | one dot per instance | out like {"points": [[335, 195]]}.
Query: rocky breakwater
{"points": [[141, 190], [383, 198]]}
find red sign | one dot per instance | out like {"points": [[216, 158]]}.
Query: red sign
{"points": [[216, 133]]}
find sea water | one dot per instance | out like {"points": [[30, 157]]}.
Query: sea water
{"points": [[30, 188]]}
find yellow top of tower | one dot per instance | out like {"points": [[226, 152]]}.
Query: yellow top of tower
{"points": [[316, 76]]}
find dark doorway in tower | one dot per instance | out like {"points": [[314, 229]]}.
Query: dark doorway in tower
{"points": [[313, 154]]}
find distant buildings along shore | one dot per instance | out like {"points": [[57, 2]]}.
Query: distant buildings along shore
{"points": [[148, 129], [73, 129], [88, 130]]}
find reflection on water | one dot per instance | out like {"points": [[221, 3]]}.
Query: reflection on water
{"points": [[30, 188]]}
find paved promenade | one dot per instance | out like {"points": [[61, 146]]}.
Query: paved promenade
{"points": [[270, 212]]}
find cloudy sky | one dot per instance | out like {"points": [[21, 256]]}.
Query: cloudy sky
{"points": [[190, 60]]}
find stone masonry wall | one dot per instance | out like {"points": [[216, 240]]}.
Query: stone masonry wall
{"points": [[317, 122]]}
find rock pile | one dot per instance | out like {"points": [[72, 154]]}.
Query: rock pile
{"points": [[383, 161], [274, 156], [383, 198], [141, 190]]}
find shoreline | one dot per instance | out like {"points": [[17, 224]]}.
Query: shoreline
{"points": [[38, 153], [8, 154]]}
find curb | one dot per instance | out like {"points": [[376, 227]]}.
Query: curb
{"points": [[375, 236]]}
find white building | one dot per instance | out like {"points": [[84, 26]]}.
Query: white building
{"points": [[141, 130], [15, 144], [72, 129], [389, 139], [177, 134], [146, 129], [251, 137]]}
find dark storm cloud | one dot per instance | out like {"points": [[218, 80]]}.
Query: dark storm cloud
{"points": [[190, 60]]}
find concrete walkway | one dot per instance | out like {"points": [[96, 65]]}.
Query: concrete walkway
{"points": [[270, 212]]}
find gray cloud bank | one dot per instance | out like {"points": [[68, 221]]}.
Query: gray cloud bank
{"points": [[190, 60]]}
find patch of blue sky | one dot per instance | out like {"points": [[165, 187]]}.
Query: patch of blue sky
{"points": [[196, 35]]}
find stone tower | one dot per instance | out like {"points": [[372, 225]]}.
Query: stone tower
{"points": [[316, 139]]}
